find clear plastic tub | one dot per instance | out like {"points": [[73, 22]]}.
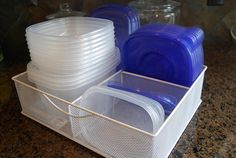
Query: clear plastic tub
{"points": [[101, 34], [59, 83], [69, 30], [73, 60], [80, 70], [64, 23], [36, 41], [70, 93], [65, 34], [73, 50], [72, 40], [62, 81], [63, 76], [67, 86]]}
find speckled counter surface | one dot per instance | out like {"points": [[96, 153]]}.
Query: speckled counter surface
{"points": [[211, 132]]}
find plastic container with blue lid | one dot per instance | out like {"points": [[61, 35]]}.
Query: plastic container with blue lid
{"points": [[194, 34], [168, 52], [115, 16], [121, 24], [129, 11], [125, 20]]}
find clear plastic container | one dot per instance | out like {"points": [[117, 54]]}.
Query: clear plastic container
{"points": [[61, 82], [54, 79], [72, 61], [69, 85], [64, 23], [80, 68], [72, 92], [76, 46], [103, 37], [69, 28], [101, 34], [73, 49], [75, 55]]}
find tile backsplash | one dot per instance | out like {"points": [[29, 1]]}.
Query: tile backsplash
{"points": [[16, 15]]}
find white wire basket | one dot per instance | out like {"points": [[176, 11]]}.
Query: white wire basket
{"points": [[103, 134]]}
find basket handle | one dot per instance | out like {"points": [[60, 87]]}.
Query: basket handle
{"points": [[75, 116]]}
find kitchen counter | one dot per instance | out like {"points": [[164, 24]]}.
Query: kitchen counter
{"points": [[211, 132]]}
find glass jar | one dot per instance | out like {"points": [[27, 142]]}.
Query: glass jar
{"points": [[160, 11]]}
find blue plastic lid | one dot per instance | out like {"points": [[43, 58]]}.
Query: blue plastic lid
{"points": [[118, 16], [125, 20], [170, 53], [168, 102], [193, 36], [121, 24], [130, 12], [162, 56], [152, 56]]}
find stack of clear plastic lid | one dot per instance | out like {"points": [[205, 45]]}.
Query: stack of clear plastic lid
{"points": [[71, 54], [125, 20], [126, 107], [164, 51]]}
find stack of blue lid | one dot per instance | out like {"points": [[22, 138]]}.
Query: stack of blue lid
{"points": [[125, 20], [164, 51]]}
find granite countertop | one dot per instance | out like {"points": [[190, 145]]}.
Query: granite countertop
{"points": [[211, 132]]}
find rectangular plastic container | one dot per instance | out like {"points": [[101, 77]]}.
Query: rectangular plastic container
{"points": [[109, 137]]}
